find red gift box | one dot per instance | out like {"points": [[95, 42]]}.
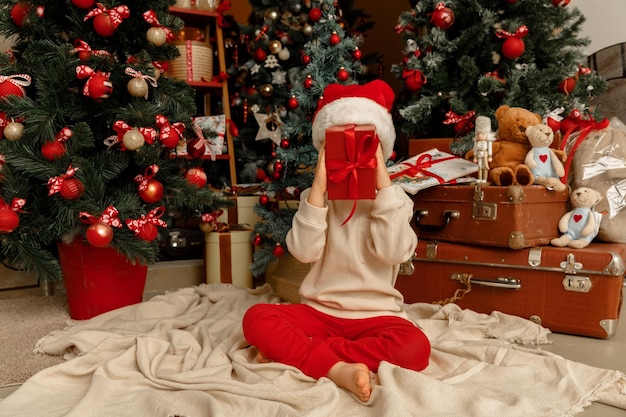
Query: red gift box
{"points": [[351, 162]]}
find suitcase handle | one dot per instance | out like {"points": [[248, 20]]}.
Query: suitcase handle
{"points": [[432, 228], [500, 282]]}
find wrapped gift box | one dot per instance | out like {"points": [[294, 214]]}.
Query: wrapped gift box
{"points": [[228, 256], [351, 162], [431, 168], [242, 212]]}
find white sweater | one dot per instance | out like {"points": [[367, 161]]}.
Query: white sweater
{"points": [[355, 264]]}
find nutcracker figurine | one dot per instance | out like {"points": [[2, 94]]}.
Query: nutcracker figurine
{"points": [[482, 147]]}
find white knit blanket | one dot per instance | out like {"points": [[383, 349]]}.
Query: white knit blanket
{"points": [[183, 354]]}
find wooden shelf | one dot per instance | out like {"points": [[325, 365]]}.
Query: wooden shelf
{"points": [[208, 19]]}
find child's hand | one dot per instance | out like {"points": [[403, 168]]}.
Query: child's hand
{"points": [[382, 176], [318, 189]]}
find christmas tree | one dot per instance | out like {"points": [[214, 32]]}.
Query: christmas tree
{"points": [[89, 124], [329, 56], [466, 58], [268, 64]]}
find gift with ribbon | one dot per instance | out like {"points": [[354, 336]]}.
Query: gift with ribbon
{"points": [[228, 255], [431, 168]]}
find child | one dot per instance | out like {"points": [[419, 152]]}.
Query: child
{"points": [[351, 316]]}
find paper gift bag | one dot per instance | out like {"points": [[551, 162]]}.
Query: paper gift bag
{"points": [[228, 256], [351, 162]]}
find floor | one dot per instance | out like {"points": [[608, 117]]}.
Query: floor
{"points": [[609, 353]]}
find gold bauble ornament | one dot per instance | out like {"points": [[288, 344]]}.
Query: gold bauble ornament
{"points": [[156, 36], [275, 46], [133, 140], [266, 90], [14, 131], [284, 54], [137, 87], [307, 29], [271, 14]]}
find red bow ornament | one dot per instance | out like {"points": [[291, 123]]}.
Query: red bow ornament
{"points": [[98, 85], [170, 133], [142, 180], [145, 226], [121, 127], [16, 205], [211, 218], [55, 183], [513, 47], [14, 84], [9, 220], [109, 216], [151, 17], [462, 123], [106, 21], [84, 51], [414, 80], [224, 6]]}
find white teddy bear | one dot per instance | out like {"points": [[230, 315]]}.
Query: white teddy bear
{"points": [[580, 225]]}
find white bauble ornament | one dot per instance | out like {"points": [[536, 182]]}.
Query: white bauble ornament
{"points": [[13, 131], [156, 36], [133, 140]]}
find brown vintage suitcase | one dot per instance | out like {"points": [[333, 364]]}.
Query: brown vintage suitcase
{"points": [[575, 291], [515, 217]]}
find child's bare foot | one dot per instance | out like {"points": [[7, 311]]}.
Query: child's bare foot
{"points": [[354, 377], [261, 358]]}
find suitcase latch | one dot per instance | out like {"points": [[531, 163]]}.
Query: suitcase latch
{"points": [[407, 268], [577, 283], [484, 211], [570, 266]]}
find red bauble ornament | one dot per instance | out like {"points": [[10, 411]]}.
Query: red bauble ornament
{"points": [[153, 192], [148, 232], [83, 4], [99, 234], [260, 55], [257, 240], [306, 59], [196, 147], [334, 39], [8, 88], [343, 74], [103, 25], [560, 3], [261, 175], [72, 189], [284, 143], [442, 17], [357, 54], [99, 86], [513, 48], [278, 167], [53, 150], [567, 85], [414, 80], [292, 103], [278, 250], [196, 177], [308, 82], [264, 200], [9, 220], [315, 14], [19, 12]]}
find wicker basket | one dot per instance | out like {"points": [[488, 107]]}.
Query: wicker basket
{"points": [[286, 277], [195, 62]]}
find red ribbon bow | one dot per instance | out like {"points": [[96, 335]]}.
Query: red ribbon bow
{"points": [[585, 126], [151, 17], [223, 7], [149, 173], [55, 183], [153, 217], [519, 33], [19, 80], [117, 14], [121, 127], [359, 157], [64, 135], [168, 129], [211, 218], [463, 123], [15, 205], [421, 166], [82, 46], [109, 216], [417, 75], [85, 71]]}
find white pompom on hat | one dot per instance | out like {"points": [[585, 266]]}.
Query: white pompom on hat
{"points": [[369, 103]]}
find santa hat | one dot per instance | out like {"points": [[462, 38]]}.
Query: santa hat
{"points": [[369, 103]]}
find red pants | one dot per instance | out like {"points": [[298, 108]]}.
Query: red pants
{"points": [[300, 336]]}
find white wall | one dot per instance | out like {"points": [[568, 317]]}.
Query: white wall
{"points": [[604, 24]]}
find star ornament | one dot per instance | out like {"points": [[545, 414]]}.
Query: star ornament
{"points": [[270, 127]]}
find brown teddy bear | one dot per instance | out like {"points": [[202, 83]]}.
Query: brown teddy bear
{"points": [[511, 146]]}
